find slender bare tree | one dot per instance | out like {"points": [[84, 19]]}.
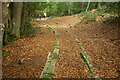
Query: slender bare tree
{"points": [[88, 6]]}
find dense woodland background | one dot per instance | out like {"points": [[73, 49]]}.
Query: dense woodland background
{"points": [[17, 16]]}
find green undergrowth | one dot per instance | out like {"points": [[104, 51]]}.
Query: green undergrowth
{"points": [[3, 53], [88, 16], [110, 20], [29, 29], [93, 14], [10, 38]]}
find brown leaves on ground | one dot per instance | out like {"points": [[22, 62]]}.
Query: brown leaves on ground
{"points": [[99, 40]]}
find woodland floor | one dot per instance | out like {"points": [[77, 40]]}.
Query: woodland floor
{"points": [[100, 41]]}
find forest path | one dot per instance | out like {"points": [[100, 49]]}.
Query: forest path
{"points": [[99, 40]]}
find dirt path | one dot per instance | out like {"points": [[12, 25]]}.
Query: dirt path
{"points": [[99, 40]]}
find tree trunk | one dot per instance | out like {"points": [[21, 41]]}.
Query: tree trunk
{"points": [[5, 13], [69, 11], [24, 16], [88, 6], [80, 5], [99, 4], [17, 15]]}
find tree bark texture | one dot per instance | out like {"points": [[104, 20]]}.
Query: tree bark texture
{"points": [[17, 16]]}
